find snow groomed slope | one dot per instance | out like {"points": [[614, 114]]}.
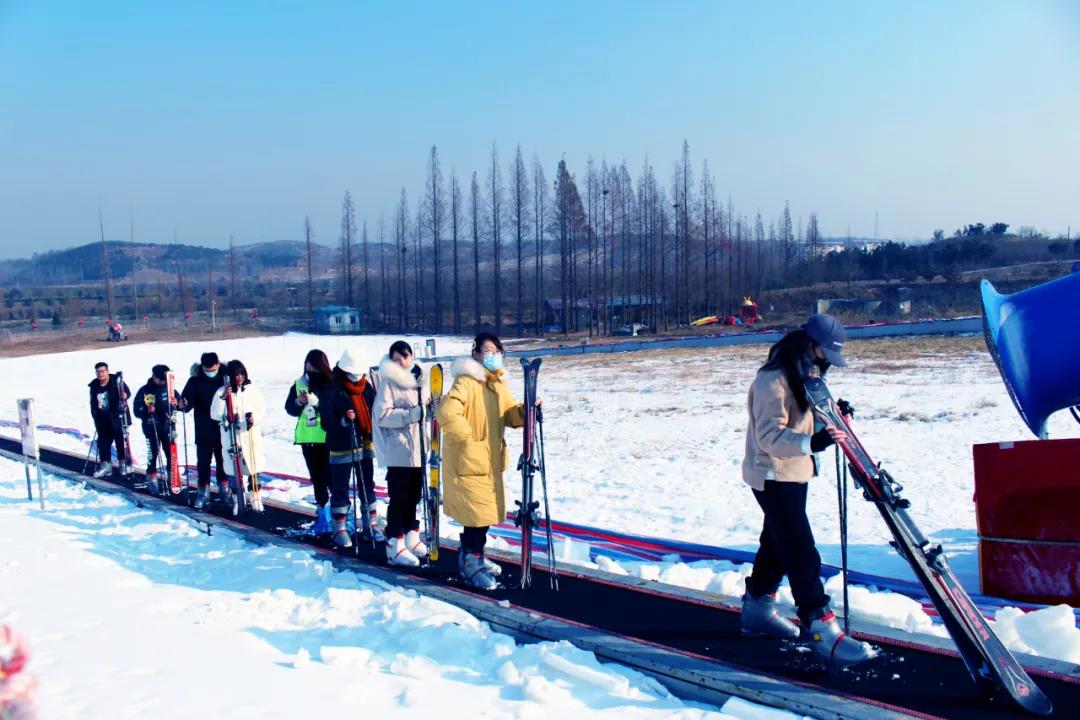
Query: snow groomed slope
{"points": [[689, 642]]}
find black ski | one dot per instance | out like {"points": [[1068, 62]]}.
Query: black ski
{"points": [[527, 516], [987, 659]]}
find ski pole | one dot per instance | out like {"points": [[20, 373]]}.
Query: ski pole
{"points": [[841, 498], [186, 466], [255, 488], [553, 578], [90, 451], [358, 476]]}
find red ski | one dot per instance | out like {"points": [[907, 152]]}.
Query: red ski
{"points": [[175, 485]]}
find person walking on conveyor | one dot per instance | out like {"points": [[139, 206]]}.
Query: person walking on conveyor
{"points": [[397, 419], [152, 407], [346, 418], [205, 381], [303, 404], [778, 465], [108, 405]]}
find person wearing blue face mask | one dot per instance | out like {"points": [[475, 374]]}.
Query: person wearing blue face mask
{"points": [[473, 418], [206, 380]]}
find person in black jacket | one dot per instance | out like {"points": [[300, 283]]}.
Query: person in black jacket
{"points": [[151, 406], [345, 414], [302, 403], [205, 381], [108, 404]]}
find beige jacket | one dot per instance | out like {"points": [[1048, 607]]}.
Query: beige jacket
{"points": [[396, 415], [778, 434], [473, 417]]}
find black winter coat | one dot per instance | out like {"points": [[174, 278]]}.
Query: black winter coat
{"points": [[199, 392], [158, 395], [334, 402], [105, 405]]}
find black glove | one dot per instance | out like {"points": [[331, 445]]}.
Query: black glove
{"points": [[846, 408], [820, 440], [250, 420]]}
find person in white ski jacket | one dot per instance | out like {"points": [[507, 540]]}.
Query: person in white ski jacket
{"points": [[248, 404], [397, 421]]}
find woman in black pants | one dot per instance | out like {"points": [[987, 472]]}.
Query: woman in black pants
{"points": [[778, 465], [303, 404]]}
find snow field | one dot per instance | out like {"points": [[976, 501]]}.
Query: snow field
{"points": [[651, 443], [132, 613]]}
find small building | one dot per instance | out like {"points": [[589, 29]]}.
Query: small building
{"points": [[553, 314], [625, 309], [337, 320]]}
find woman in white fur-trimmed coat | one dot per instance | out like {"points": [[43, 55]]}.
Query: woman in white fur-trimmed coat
{"points": [[397, 423], [473, 418]]}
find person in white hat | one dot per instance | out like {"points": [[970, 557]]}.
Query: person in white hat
{"points": [[346, 418]]}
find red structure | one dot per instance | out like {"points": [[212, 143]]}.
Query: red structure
{"points": [[1026, 498]]}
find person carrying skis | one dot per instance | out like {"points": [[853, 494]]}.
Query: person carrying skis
{"points": [[248, 406], [303, 404], [473, 417], [108, 404], [198, 394], [778, 465], [346, 418], [397, 417], [151, 406]]}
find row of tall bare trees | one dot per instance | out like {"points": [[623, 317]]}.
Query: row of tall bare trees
{"points": [[524, 256]]}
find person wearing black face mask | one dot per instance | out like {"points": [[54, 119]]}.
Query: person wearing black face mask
{"points": [[206, 380], [778, 465]]}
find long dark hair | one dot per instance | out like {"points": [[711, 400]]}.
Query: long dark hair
{"points": [[788, 355], [402, 348], [235, 366], [322, 375]]}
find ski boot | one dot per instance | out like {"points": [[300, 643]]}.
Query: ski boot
{"points": [[376, 531], [471, 568], [342, 538], [104, 470], [152, 484], [323, 525], [416, 546], [761, 618], [202, 497], [398, 553], [493, 568], [830, 643]]}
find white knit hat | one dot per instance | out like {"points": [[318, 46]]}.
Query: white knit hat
{"points": [[350, 362]]}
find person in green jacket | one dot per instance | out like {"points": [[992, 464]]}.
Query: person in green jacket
{"points": [[303, 404]]}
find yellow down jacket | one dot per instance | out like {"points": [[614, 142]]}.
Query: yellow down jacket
{"points": [[473, 417]]}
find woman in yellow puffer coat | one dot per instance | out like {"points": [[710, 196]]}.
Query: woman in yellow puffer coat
{"points": [[473, 417]]}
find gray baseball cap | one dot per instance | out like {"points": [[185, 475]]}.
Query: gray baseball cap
{"points": [[827, 332]]}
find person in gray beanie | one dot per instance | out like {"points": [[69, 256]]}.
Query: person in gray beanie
{"points": [[778, 464]]}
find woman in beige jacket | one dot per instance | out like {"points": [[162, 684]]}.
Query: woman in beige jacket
{"points": [[778, 465], [473, 417]]}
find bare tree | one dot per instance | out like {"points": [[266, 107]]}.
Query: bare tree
{"points": [[519, 188], [592, 187], [348, 232], [787, 241], [367, 272], [384, 308], [418, 271], [571, 221], [813, 246], [474, 202], [539, 217], [496, 190], [310, 280], [436, 210], [455, 222], [401, 231], [232, 275]]}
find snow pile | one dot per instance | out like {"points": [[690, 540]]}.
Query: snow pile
{"points": [[137, 614], [1050, 632]]}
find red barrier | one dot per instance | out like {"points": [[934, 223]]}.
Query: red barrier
{"points": [[1026, 498]]}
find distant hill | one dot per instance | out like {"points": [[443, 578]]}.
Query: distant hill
{"points": [[82, 264]]}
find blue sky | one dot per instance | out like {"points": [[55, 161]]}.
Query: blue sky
{"points": [[211, 119]]}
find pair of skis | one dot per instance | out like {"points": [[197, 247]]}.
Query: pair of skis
{"points": [[527, 516], [241, 504], [431, 462], [988, 661]]}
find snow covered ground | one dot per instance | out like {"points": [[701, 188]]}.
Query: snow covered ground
{"points": [[131, 613], [651, 443]]}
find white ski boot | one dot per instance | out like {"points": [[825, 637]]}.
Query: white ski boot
{"points": [[472, 570], [342, 539], [104, 470], [416, 546], [398, 553]]}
